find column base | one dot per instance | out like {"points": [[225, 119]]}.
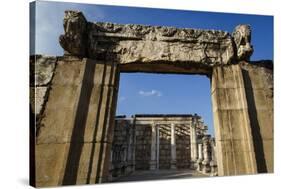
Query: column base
{"points": [[173, 164], [152, 165], [214, 168], [199, 165], [193, 164], [206, 167]]}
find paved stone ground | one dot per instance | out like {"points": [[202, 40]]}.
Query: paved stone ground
{"points": [[160, 175]]}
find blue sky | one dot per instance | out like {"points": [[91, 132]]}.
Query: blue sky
{"points": [[154, 93]]}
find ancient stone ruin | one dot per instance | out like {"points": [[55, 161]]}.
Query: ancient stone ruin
{"points": [[161, 141], [73, 100]]}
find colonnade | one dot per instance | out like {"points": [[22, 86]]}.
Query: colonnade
{"points": [[203, 151]]}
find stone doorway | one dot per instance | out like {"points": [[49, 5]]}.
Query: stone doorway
{"points": [[78, 92]]}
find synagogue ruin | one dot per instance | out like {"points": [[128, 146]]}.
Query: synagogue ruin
{"points": [[161, 141], [77, 138]]}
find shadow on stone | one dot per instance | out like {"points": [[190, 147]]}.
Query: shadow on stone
{"points": [[77, 137], [256, 133]]}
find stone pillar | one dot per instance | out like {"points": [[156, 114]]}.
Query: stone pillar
{"points": [[153, 161], [200, 157], [173, 148], [213, 163], [206, 155], [158, 147], [74, 145], [193, 143], [234, 141]]}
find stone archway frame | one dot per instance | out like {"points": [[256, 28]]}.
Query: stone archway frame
{"points": [[87, 80]]}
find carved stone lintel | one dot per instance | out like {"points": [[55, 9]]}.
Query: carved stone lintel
{"points": [[131, 43]]}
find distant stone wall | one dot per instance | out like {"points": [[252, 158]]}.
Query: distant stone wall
{"points": [[164, 148], [122, 149], [143, 147], [183, 150], [132, 143]]}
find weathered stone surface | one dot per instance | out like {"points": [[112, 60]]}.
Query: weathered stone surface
{"points": [[41, 73], [74, 39], [37, 99], [80, 106], [235, 146], [136, 43], [153, 142], [242, 38], [76, 126], [42, 69], [258, 79], [144, 44]]}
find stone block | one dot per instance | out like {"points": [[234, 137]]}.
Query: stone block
{"points": [[43, 70], [50, 160], [38, 98], [265, 124], [232, 124], [227, 99], [268, 150], [227, 77]]}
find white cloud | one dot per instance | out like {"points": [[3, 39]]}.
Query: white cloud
{"points": [[150, 93]]}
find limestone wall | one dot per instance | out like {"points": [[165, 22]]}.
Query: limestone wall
{"points": [[131, 148], [143, 147], [122, 149], [164, 147], [183, 149]]}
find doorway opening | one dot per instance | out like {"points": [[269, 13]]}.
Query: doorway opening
{"points": [[160, 123]]}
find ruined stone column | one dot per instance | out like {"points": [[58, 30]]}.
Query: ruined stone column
{"points": [[173, 148], [158, 147], [193, 143], [206, 155], [234, 141], [200, 157], [213, 163], [74, 145], [153, 147]]}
